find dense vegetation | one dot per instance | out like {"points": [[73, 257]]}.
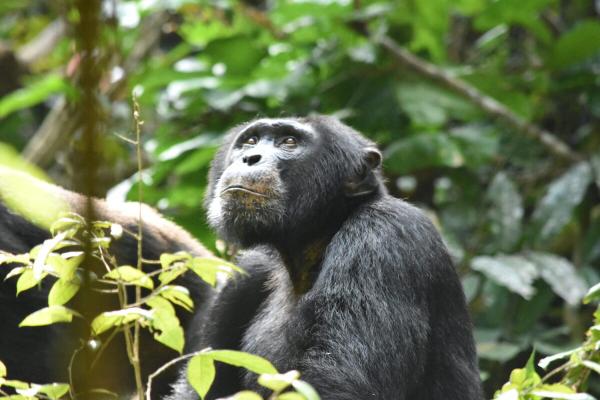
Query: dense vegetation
{"points": [[488, 113]]}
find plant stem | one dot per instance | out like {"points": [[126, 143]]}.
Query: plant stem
{"points": [[138, 291]]}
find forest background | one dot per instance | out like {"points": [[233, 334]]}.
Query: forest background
{"points": [[488, 114]]}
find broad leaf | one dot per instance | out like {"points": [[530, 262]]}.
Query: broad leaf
{"points": [[561, 275], [514, 272], [130, 275], [63, 290], [253, 363], [201, 374], [555, 209], [112, 319], [49, 315]]}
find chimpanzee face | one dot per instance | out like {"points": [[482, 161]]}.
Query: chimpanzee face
{"points": [[273, 175]]}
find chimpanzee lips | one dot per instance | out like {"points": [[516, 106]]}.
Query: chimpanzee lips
{"points": [[240, 188]]}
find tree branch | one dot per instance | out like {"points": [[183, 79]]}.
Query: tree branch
{"points": [[481, 100]]}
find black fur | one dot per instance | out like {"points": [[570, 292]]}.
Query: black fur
{"points": [[346, 284], [41, 354]]}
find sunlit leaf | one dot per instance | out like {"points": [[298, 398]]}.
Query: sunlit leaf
{"points": [[178, 295], [306, 390], [112, 319], [54, 390], [201, 374], [546, 361], [27, 280], [49, 315], [246, 395], [278, 382], [165, 323], [130, 275], [251, 362], [63, 290], [593, 294]]}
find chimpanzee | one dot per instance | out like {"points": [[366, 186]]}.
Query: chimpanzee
{"points": [[42, 354], [348, 285]]}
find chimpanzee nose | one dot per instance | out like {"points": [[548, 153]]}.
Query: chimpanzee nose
{"points": [[251, 160]]}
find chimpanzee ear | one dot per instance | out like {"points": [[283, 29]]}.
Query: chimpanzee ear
{"points": [[373, 157], [367, 181]]}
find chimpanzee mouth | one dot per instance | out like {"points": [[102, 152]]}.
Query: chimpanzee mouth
{"points": [[240, 188]]}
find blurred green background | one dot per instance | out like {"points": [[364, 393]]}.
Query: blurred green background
{"points": [[522, 219]]}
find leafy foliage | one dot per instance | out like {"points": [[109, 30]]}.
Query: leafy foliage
{"points": [[522, 225]]}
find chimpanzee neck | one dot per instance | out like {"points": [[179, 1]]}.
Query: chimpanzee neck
{"points": [[303, 261]]}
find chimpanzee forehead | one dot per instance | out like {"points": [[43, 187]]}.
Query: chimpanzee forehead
{"points": [[272, 124]]}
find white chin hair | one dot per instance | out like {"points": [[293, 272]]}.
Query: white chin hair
{"points": [[215, 210]]}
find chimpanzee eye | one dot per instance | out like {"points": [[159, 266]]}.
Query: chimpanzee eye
{"points": [[290, 141], [252, 140]]}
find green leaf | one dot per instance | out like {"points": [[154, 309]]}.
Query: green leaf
{"points": [[246, 395], [594, 366], [207, 268], [593, 294], [290, 396], [278, 382], [55, 390], [178, 295], [63, 290], [49, 315], [561, 275], [497, 351], [555, 209], [423, 151], [565, 396], [16, 384], [306, 390], [477, 143], [6, 258], [2, 370], [27, 280], [428, 106], [513, 272], [112, 319], [65, 265], [166, 259], [173, 273], [16, 272], [577, 45], [506, 212], [39, 265], [32, 94], [201, 374], [546, 361], [130, 275], [165, 321], [252, 363]]}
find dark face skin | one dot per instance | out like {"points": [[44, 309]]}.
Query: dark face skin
{"points": [[290, 183]]}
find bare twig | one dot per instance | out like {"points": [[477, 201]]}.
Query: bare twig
{"points": [[481, 100]]}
